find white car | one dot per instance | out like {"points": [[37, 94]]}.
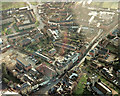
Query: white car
{"points": [[49, 83], [114, 81]]}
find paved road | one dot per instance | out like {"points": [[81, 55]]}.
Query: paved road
{"points": [[38, 17]]}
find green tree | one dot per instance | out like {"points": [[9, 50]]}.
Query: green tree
{"points": [[5, 80]]}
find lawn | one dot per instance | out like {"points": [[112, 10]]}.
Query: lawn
{"points": [[107, 4], [111, 48], [112, 5], [34, 3], [7, 31], [8, 5], [16, 28], [5, 26], [80, 87], [95, 4]]}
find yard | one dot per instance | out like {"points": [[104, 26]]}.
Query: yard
{"points": [[7, 31], [111, 48], [80, 87]]}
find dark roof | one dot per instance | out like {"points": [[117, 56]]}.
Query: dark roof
{"points": [[19, 67], [103, 51], [45, 70], [103, 88], [65, 45], [93, 64], [24, 85], [106, 73], [25, 41]]}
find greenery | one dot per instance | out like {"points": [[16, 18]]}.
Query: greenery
{"points": [[8, 5], [5, 80], [34, 3], [7, 76], [5, 26], [111, 48], [16, 28], [37, 23], [112, 5], [81, 86], [5, 29]]}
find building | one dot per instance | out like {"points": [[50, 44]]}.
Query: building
{"points": [[101, 89], [27, 78], [10, 93], [23, 27], [95, 65], [25, 88], [45, 70], [103, 42], [64, 65], [52, 52], [103, 52], [115, 41], [53, 33], [63, 45], [43, 57], [107, 73], [8, 20], [38, 37], [22, 64], [5, 48], [25, 42]]}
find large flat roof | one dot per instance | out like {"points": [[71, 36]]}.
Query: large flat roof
{"points": [[22, 61]]}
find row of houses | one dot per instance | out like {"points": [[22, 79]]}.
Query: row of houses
{"points": [[67, 63], [30, 76], [29, 20]]}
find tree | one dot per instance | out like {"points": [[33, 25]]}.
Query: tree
{"points": [[5, 80]]}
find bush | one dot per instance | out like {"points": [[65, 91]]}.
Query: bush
{"points": [[5, 80]]}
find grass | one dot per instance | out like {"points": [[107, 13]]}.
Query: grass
{"points": [[107, 4], [112, 5], [7, 31], [37, 23], [5, 26], [8, 5], [80, 87], [34, 3], [48, 64], [111, 48], [16, 28]]}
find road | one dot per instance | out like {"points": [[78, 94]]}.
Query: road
{"points": [[38, 17]]}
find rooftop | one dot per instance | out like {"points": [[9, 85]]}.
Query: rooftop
{"points": [[23, 61]]}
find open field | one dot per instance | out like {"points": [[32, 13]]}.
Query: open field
{"points": [[80, 87], [111, 5], [8, 5]]}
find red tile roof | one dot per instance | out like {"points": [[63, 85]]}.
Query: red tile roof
{"points": [[44, 69]]}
